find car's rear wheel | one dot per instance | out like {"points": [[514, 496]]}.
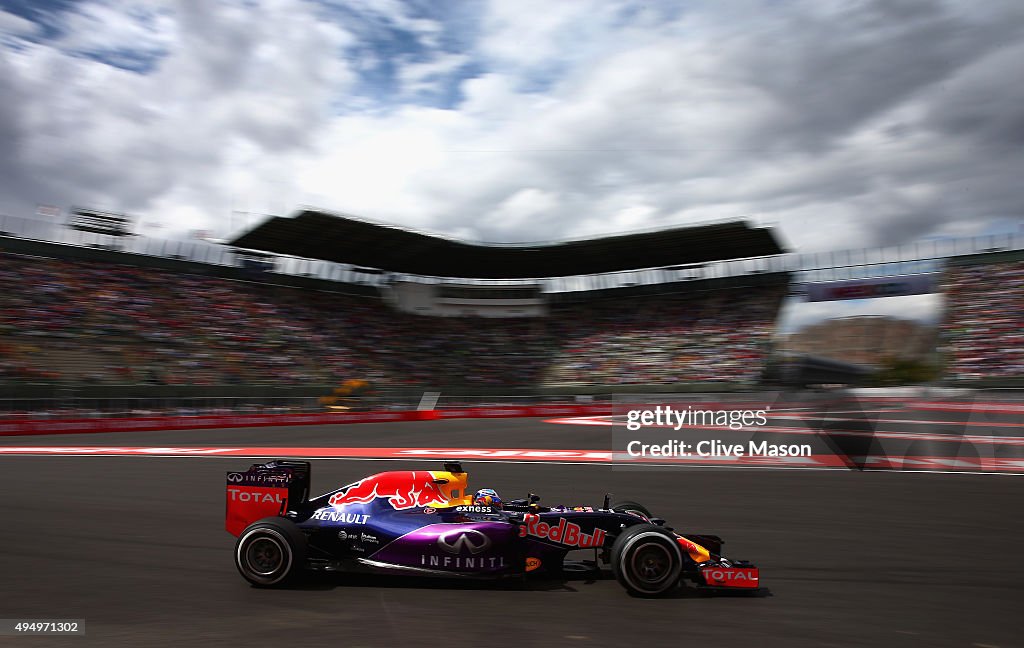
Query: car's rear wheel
{"points": [[636, 508], [646, 560], [270, 552]]}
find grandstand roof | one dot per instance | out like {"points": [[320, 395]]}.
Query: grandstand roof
{"points": [[343, 239]]}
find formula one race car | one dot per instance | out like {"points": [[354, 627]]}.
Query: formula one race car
{"points": [[425, 522]]}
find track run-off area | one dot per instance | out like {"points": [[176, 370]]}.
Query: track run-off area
{"points": [[904, 533]]}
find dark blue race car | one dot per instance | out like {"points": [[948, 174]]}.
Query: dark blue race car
{"points": [[424, 522]]}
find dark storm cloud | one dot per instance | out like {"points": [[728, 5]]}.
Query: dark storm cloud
{"points": [[984, 106], [11, 127], [829, 74]]}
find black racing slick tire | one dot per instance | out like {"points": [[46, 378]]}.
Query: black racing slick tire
{"points": [[271, 552], [647, 560], [627, 506]]}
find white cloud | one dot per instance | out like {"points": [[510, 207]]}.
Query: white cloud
{"points": [[535, 33], [522, 207], [104, 27], [235, 95], [583, 118], [393, 14], [12, 25], [425, 76]]}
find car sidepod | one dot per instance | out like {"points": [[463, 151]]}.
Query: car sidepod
{"points": [[475, 549]]}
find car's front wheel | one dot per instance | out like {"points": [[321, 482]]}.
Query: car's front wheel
{"points": [[270, 552], [647, 560]]}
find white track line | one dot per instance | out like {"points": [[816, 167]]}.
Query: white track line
{"points": [[772, 429], [620, 467]]}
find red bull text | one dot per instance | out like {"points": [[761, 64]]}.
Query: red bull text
{"points": [[564, 532]]}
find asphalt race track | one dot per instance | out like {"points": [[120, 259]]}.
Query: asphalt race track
{"points": [[136, 547]]}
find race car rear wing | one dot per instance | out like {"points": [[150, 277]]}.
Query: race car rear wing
{"points": [[264, 490]]}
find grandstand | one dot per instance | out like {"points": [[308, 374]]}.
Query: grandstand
{"points": [[688, 314], [90, 321], [983, 331], [85, 317]]}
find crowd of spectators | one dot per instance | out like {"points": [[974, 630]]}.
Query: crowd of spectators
{"points": [[983, 332], [79, 321], [703, 336]]}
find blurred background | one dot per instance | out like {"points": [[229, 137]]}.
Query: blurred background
{"points": [[115, 323], [297, 205]]}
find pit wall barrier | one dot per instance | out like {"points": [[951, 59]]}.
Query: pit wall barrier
{"points": [[157, 423]]}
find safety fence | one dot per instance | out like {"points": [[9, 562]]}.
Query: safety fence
{"points": [[153, 423], [70, 407], [78, 408]]}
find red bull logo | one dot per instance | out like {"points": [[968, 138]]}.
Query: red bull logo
{"points": [[403, 489], [564, 532]]}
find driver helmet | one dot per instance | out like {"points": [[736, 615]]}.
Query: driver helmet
{"points": [[487, 497]]}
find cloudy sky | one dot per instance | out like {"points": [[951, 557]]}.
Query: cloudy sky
{"points": [[853, 123]]}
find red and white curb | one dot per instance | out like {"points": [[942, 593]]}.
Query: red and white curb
{"points": [[1001, 465]]}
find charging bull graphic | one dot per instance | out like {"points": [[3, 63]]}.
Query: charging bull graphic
{"points": [[403, 489]]}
